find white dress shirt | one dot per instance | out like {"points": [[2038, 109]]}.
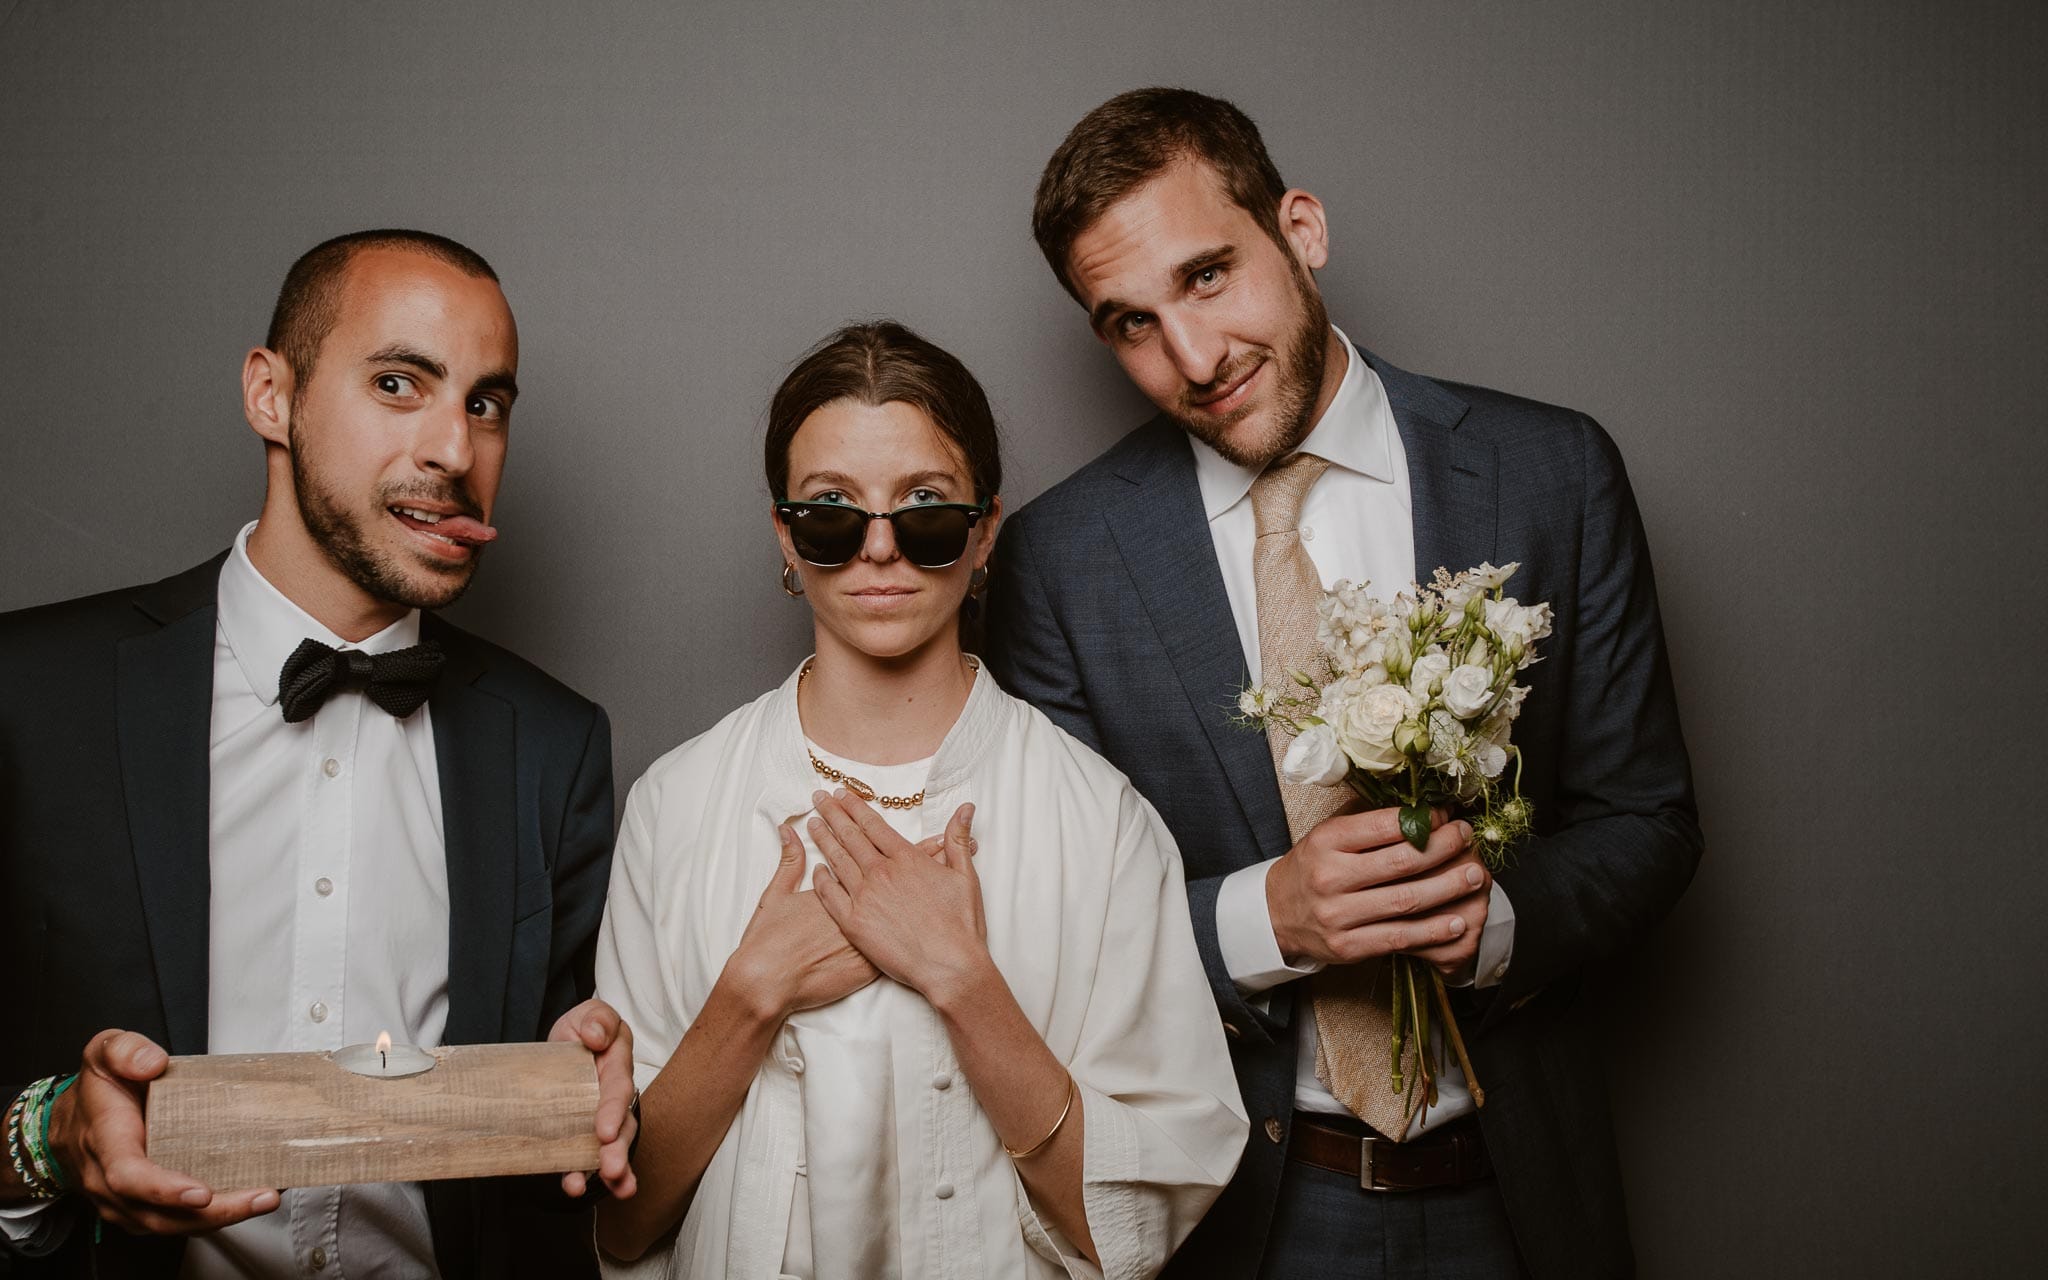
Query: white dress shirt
{"points": [[859, 1152], [328, 918], [1357, 524]]}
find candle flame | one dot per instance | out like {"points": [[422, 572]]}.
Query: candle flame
{"points": [[383, 1042]]}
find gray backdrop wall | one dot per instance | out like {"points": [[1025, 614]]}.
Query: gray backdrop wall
{"points": [[1794, 261]]}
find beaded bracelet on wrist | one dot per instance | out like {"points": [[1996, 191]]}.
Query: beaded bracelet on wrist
{"points": [[17, 1155], [36, 1136], [38, 1162], [28, 1138]]}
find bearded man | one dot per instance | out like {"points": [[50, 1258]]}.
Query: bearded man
{"points": [[274, 803], [1134, 601]]}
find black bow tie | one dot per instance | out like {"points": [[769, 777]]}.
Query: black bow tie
{"points": [[398, 681]]}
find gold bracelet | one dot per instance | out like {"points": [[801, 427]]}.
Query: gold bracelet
{"points": [[1035, 1147]]}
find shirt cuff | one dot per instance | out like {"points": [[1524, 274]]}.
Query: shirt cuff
{"points": [[1496, 942], [35, 1228], [1244, 934]]}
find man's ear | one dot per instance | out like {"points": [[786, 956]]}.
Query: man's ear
{"points": [[1305, 228], [267, 395]]}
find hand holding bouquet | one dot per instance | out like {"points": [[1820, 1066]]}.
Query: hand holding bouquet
{"points": [[1413, 707]]}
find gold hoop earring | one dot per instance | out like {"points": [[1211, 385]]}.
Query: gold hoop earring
{"points": [[977, 582], [789, 575]]}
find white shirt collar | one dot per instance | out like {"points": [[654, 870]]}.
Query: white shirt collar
{"points": [[1352, 433], [262, 626]]}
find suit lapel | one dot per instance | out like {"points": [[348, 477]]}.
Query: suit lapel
{"points": [[1453, 477], [475, 757], [163, 702], [1162, 532]]}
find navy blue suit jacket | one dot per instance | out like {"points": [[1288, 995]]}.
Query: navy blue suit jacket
{"points": [[105, 884], [1108, 611]]}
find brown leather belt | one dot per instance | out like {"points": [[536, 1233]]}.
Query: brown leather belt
{"points": [[1450, 1157]]}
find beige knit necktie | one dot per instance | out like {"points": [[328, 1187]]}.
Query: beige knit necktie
{"points": [[1354, 1022]]}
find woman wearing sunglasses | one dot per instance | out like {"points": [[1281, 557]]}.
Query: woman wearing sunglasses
{"points": [[910, 972]]}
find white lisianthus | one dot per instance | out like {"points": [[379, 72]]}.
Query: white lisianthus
{"points": [[1486, 577], [1314, 758], [1518, 626], [1467, 690], [1366, 722]]}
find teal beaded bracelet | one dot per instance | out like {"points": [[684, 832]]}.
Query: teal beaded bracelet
{"points": [[38, 1135], [18, 1155], [28, 1132]]}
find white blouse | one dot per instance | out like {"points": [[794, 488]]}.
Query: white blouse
{"points": [[863, 1099]]}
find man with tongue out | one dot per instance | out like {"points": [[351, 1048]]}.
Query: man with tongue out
{"points": [[275, 804]]}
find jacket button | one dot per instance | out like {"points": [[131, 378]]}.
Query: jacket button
{"points": [[1273, 1129]]}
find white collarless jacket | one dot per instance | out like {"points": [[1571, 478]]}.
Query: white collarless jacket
{"points": [[863, 1099]]}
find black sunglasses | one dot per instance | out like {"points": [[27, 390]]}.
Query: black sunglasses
{"points": [[931, 535]]}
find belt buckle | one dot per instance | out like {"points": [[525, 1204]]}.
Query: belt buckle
{"points": [[1366, 1178]]}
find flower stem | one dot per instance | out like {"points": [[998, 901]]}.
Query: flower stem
{"points": [[1443, 1002], [1398, 1018]]}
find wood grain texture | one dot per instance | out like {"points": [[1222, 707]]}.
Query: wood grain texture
{"points": [[297, 1120]]}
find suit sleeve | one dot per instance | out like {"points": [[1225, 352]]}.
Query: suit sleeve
{"points": [[583, 857], [1628, 836], [1026, 649], [1028, 652]]}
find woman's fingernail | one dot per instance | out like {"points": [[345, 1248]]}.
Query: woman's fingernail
{"points": [[1457, 925], [195, 1196], [1473, 876]]}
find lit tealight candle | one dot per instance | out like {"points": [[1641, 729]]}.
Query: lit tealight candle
{"points": [[384, 1059]]}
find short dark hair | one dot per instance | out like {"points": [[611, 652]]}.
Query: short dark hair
{"points": [[1133, 138], [877, 363], [309, 304]]}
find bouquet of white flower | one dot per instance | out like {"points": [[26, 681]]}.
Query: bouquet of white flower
{"points": [[1413, 708]]}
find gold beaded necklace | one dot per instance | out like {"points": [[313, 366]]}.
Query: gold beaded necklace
{"points": [[851, 783]]}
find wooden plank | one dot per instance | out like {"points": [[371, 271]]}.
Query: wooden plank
{"points": [[297, 1120]]}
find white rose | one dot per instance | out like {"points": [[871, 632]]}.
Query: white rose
{"points": [[1467, 690], [1365, 726], [1314, 758], [1429, 668]]}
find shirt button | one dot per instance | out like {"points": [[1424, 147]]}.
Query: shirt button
{"points": [[318, 1258], [331, 767], [323, 886], [943, 1080], [1499, 971], [943, 1191], [318, 1012], [1307, 534], [1273, 1130]]}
